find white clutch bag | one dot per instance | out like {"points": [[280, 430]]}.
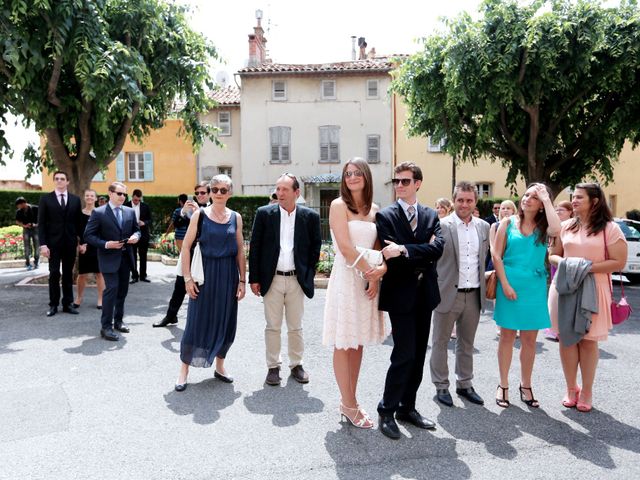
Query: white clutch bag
{"points": [[372, 257], [197, 269]]}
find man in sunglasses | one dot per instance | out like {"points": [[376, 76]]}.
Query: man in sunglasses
{"points": [[58, 222], [143, 215], [201, 196], [113, 229], [409, 292], [285, 248]]}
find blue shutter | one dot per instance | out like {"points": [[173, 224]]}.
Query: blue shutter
{"points": [[148, 166], [120, 167], [98, 177]]}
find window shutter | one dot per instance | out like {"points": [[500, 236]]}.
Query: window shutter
{"points": [[224, 123], [279, 90], [372, 88], [284, 153], [373, 148], [98, 177], [324, 153], [120, 167], [334, 153], [335, 134], [148, 166], [275, 153], [328, 89]]}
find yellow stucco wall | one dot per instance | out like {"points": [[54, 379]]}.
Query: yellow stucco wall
{"points": [[623, 193], [174, 164]]}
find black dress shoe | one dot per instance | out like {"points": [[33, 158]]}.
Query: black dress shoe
{"points": [[181, 387], [133, 280], [444, 397], [109, 334], [471, 395], [165, 321], [75, 305], [146, 280], [52, 311], [70, 310], [222, 378], [99, 307], [414, 418], [121, 327], [388, 426]]}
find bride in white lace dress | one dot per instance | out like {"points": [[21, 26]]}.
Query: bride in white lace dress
{"points": [[351, 315]]}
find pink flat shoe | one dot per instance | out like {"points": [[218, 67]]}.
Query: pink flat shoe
{"points": [[583, 406], [570, 400]]}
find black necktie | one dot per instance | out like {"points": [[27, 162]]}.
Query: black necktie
{"points": [[62, 203]]}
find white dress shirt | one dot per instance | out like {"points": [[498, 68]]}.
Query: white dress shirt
{"points": [[287, 228], [405, 206], [66, 197], [469, 250], [136, 208]]}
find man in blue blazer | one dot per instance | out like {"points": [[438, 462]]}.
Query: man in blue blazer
{"points": [[112, 229], [409, 292], [284, 252]]}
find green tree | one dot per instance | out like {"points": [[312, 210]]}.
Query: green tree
{"points": [[550, 89], [87, 73]]}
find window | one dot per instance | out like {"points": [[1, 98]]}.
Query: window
{"points": [[330, 144], [373, 148], [224, 171], [372, 88], [280, 144], [279, 90], [139, 167], [435, 146], [98, 177], [484, 190], [328, 89], [224, 123]]}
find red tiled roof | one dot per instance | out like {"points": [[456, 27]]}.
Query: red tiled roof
{"points": [[379, 64], [226, 95]]}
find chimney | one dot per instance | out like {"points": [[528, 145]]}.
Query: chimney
{"points": [[257, 43], [353, 47], [363, 47]]}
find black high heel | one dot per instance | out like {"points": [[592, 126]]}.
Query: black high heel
{"points": [[533, 403], [503, 402]]}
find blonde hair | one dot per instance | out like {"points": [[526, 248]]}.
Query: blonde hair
{"points": [[509, 204]]}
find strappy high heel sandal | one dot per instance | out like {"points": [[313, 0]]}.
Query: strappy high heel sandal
{"points": [[503, 402], [363, 422], [532, 402], [570, 400]]}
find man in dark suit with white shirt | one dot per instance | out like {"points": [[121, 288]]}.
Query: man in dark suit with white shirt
{"points": [[58, 219], [285, 248], [409, 292], [143, 216], [113, 230]]}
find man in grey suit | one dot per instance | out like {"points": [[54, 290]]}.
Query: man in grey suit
{"points": [[462, 290]]}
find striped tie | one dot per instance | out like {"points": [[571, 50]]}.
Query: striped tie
{"points": [[119, 216], [413, 219]]}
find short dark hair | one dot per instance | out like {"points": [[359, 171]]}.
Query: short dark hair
{"points": [[58, 172], [183, 197], [464, 186], [20, 201], [136, 193], [409, 167]]}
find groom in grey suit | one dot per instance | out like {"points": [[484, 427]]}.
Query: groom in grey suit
{"points": [[462, 290]]}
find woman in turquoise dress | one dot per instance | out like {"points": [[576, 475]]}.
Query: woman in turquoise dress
{"points": [[521, 296]]}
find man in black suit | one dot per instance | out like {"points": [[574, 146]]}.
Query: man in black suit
{"points": [[285, 248], [494, 217], [58, 219], [409, 292], [143, 216], [113, 230]]}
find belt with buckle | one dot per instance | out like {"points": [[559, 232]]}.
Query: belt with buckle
{"points": [[468, 290], [290, 273]]}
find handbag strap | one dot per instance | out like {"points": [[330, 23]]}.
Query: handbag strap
{"points": [[606, 257], [200, 219], [357, 259]]}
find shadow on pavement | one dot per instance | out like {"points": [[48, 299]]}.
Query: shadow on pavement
{"points": [[616, 433], [170, 343], [203, 400], [97, 345], [286, 404]]}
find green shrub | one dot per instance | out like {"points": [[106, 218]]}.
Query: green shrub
{"points": [[167, 245]]}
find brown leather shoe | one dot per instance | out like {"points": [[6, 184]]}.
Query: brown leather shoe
{"points": [[299, 375], [273, 376]]}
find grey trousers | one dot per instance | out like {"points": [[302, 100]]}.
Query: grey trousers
{"points": [[30, 238], [465, 314]]}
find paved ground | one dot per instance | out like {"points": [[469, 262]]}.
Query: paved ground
{"points": [[74, 406]]}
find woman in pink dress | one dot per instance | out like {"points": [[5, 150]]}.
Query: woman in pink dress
{"points": [[351, 316], [587, 235]]}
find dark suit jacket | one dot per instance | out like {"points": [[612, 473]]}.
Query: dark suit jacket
{"points": [[265, 247], [103, 227], [145, 216], [408, 279], [491, 219], [58, 228]]}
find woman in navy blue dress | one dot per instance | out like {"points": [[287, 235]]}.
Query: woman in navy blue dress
{"points": [[213, 306]]}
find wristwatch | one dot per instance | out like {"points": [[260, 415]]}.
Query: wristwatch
{"points": [[188, 279]]}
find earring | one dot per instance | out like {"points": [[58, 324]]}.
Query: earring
{"points": [[541, 210]]}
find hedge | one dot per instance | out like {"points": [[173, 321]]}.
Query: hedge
{"points": [[162, 206]]}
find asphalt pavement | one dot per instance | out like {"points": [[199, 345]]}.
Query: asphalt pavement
{"points": [[73, 406]]}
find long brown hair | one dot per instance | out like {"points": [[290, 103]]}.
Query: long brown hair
{"points": [[599, 214], [367, 193], [540, 219]]}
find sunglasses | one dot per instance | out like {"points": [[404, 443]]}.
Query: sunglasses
{"points": [[204, 192], [354, 173], [222, 190], [120, 194], [404, 181]]}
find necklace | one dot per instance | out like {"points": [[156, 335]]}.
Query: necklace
{"points": [[217, 216]]}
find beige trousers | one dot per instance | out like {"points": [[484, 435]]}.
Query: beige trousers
{"points": [[284, 296]]}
